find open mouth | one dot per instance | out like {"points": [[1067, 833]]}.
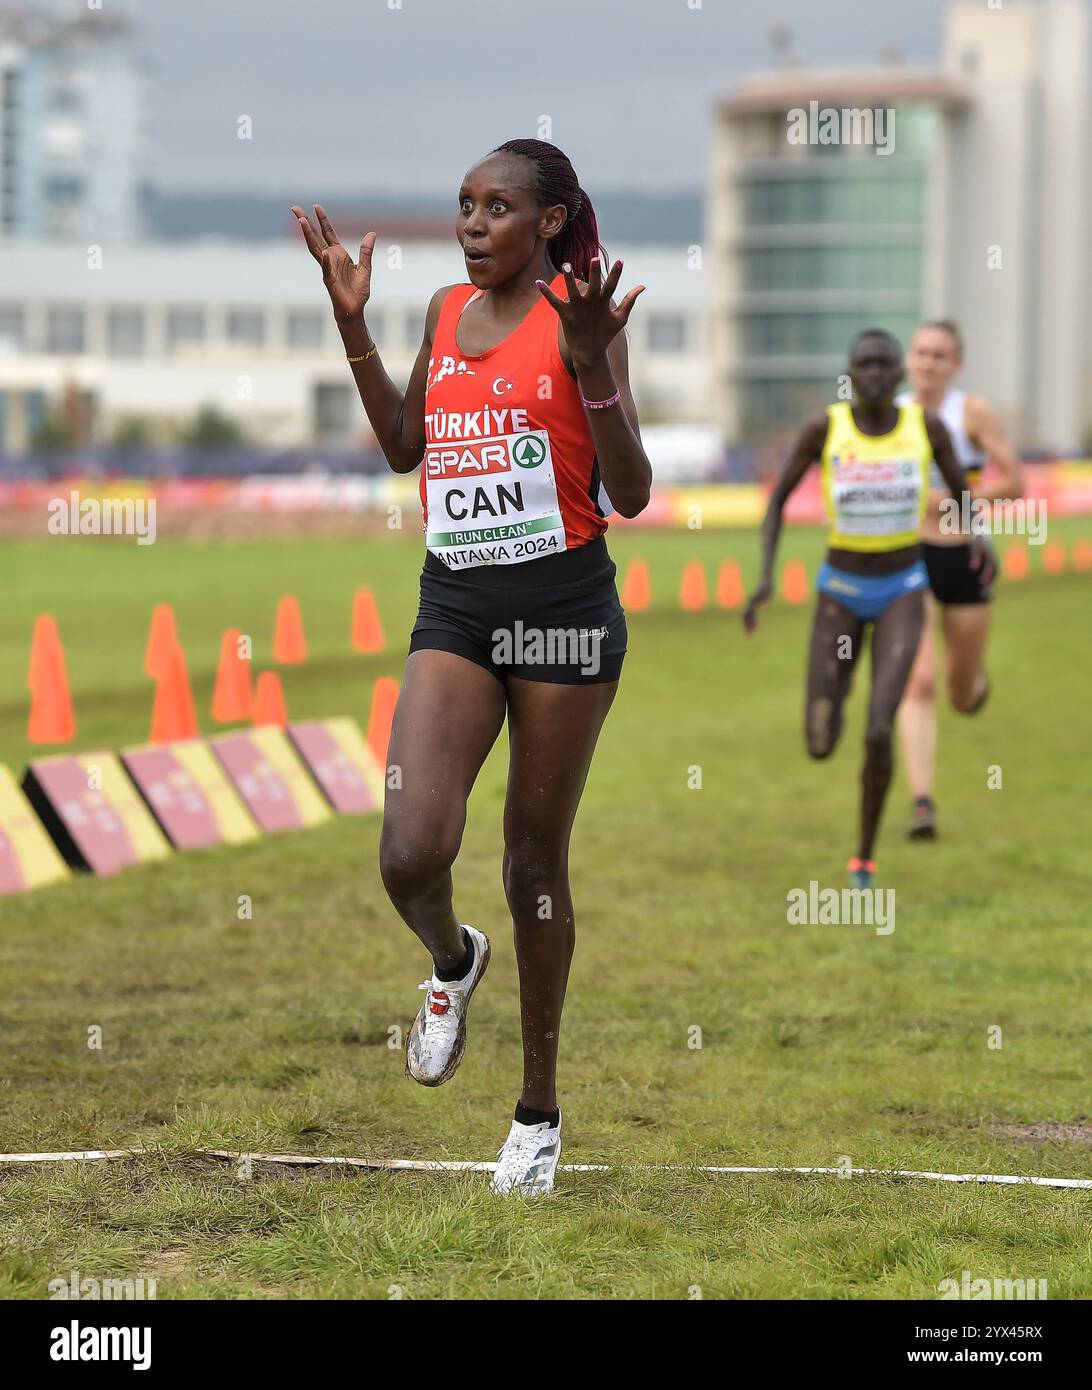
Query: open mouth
{"points": [[474, 256]]}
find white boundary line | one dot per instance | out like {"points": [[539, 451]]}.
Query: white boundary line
{"points": [[398, 1165], [68, 1157]]}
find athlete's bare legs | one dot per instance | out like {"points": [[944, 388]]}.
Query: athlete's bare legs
{"points": [[553, 730], [448, 716], [896, 637], [966, 628], [966, 632], [836, 637], [917, 716]]}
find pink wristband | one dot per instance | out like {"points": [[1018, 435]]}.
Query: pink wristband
{"points": [[602, 405]]}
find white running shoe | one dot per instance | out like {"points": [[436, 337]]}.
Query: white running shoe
{"points": [[528, 1160], [437, 1040]]}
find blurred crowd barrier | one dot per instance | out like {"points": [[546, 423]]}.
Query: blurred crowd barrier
{"points": [[1065, 487]]}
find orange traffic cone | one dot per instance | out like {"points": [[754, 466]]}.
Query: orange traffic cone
{"points": [[730, 585], [367, 629], [51, 716], [173, 714], [1014, 562], [43, 645], [384, 699], [289, 645], [162, 635], [231, 697], [794, 582], [1082, 556], [637, 588], [269, 706], [693, 592], [1054, 557]]}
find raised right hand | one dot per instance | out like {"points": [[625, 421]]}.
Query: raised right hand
{"points": [[349, 285]]}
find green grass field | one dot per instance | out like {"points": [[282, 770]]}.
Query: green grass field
{"points": [[817, 1041]]}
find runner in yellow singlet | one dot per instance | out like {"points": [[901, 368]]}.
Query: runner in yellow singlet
{"points": [[875, 457]]}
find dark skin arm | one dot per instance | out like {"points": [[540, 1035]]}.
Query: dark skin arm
{"points": [[807, 450], [983, 554], [398, 421], [593, 346], [590, 339]]}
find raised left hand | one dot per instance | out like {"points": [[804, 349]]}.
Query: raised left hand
{"points": [[589, 319]]}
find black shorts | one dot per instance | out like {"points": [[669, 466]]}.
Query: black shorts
{"points": [[555, 619], [950, 575]]}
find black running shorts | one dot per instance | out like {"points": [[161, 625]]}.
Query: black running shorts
{"points": [[950, 575], [555, 619]]}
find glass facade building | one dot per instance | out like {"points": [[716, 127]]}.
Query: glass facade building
{"points": [[814, 242]]}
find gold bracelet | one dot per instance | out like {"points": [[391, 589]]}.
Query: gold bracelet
{"points": [[374, 348]]}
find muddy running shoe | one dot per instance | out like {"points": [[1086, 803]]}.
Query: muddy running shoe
{"points": [[437, 1040], [862, 873], [527, 1160], [923, 819]]}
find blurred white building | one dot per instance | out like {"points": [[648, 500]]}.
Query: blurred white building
{"points": [[158, 331], [979, 213], [71, 102]]}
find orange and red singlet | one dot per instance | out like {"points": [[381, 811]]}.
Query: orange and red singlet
{"points": [[510, 472]]}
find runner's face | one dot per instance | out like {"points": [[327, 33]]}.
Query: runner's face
{"points": [[500, 220], [875, 371], [932, 362]]}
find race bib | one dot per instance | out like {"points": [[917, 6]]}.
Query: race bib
{"points": [[492, 501], [876, 499]]}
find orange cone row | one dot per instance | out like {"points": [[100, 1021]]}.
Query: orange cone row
{"points": [[1015, 562], [290, 644], [52, 719], [693, 593], [694, 590]]}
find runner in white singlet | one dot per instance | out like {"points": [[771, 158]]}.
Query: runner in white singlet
{"points": [[933, 362]]}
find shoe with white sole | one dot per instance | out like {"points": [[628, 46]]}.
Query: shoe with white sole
{"points": [[437, 1040], [528, 1160]]}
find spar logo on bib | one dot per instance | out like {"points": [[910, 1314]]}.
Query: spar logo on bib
{"points": [[870, 472], [493, 501], [528, 451]]}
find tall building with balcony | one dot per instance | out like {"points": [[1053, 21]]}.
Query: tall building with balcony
{"points": [[978, 211], [812, 242]]}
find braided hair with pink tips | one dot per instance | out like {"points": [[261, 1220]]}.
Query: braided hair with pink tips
{"points": [[578, 241]]}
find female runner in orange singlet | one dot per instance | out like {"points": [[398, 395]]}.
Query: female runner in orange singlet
{"points": [[519, 412]]}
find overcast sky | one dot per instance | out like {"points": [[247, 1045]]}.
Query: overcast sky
{"points": [[346, 94]]}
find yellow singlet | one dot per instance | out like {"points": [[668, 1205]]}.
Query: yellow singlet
{"points": [[875, 487]]}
